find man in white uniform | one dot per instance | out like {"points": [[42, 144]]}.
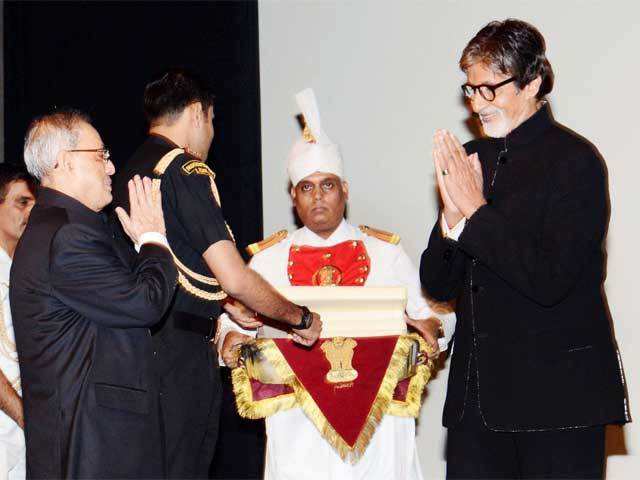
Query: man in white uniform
{"points": [[295, 448], [16, 201]]}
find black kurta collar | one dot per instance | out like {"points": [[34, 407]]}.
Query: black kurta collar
{"points": [[54, 198], [530, 129]]}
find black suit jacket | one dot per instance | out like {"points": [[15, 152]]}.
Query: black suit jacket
{"points": [[82, 309], [527, 273]]}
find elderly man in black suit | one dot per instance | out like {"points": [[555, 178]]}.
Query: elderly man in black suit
{"points": [[535, 374], [83, 307]]}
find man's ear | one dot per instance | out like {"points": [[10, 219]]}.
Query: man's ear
{"points": [[64, 162], [533, 87], [345, 189], [196, 115], [292, 192]]}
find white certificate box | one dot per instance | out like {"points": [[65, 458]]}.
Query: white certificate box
{"points": [[354, 311]]}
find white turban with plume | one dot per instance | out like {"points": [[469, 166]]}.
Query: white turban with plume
{"points": [[315, 152]]}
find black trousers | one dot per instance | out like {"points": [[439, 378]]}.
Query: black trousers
{"points": [[559, 454], [190, 402]]}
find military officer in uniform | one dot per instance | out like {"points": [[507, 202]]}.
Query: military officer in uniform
{"points": [[330, 251], [179, 108]]}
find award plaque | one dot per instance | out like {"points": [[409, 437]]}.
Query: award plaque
{"points": [[354, 311]]}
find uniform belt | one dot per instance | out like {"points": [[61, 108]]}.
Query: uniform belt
{"points": [[195, 323]]}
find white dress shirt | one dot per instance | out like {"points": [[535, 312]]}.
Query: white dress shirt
{"points": [[454, 232]]}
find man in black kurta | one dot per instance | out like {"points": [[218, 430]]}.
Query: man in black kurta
{"points": [[535, 374], [179, 107]]}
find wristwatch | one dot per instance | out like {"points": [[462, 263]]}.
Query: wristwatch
{"points": [[305, 321]]}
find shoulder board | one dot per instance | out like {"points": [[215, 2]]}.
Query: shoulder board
{"points": [[270, 241], [198, 167], [165, 161], [380, 234]]}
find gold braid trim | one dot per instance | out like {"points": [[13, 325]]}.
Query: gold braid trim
{"points": [[248, 408], [270, 241], [165, 161], [214, 190], [181, 266], [183, 270], [198, 292], [388, 237], [255, 409], [410, 407], [194, 275]]}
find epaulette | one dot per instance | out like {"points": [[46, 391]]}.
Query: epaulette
{"points": [[166, 160], [270, 241], [380, 234]]}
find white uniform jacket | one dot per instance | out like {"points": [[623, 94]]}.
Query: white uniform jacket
{"points": [[295, 448]]}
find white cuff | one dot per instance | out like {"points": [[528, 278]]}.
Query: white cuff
{"points": [[151, 237], [452, 233], [448, 327], [226, 325]]}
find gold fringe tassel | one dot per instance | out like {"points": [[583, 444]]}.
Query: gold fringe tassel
{"points": [[382, 405], [410, 406], [255, 409]]}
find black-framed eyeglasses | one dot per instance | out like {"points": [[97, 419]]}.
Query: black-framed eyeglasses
{"points": [[488, 92], [104, 152]]}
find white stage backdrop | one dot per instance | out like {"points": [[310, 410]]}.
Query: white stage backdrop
{"points": [[386, 76]]}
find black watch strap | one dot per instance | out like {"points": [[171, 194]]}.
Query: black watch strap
{"points": [[305, 321]]}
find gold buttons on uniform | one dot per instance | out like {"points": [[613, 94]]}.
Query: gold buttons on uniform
{"points": [[327, 256], [290, 277], [364, 269], [360, 280], [291, 263], [360, 258], [354, 244]]}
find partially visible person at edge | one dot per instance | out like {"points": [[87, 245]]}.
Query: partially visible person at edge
{"points": [[82, 305], [179, 108], [328, 250], [17, 196], [535, 374]]}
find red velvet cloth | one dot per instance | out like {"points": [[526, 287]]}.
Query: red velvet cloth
{"points": [[345, 264], [402, 388], [262, 391], [346, 406]]}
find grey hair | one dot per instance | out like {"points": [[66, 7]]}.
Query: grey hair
{"points": [[47, 136]]}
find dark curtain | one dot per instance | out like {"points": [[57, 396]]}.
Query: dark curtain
{"points": [[97, 56]]}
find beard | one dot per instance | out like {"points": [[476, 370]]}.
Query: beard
{"points": [[494, 122]]}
